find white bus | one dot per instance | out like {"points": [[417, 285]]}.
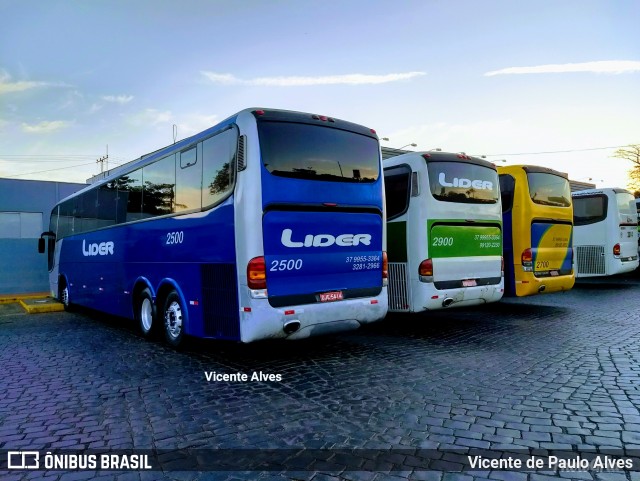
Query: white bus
{"points": [[605, 232], [444, 231]]}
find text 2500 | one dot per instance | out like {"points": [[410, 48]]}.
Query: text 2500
{"points": [[286, 265], [175, 237]]}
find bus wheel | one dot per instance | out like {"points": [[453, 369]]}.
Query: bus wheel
{"points": [[63, 295], [145, 312], [173, 319]]}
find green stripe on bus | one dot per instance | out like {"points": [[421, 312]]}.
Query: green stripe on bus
{"points": [[397, 241], [447, 240]]}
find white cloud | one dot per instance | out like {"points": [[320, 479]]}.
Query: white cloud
{"points": [[299, 81], [606, 66], [45, 126], [8, 86], [118, 99], [195, 123], [151, 117]]}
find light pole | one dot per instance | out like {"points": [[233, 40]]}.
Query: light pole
{"points": [[413, 144]]}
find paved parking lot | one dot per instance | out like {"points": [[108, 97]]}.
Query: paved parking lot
{"points": [[557, 371]]}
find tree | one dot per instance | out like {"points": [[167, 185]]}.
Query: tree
{"points": [[631, 153]]}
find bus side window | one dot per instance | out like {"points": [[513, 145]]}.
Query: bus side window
{"points": [[507, 189], [397, 190], [189, 180], [218, 157], [130, 196], [159, 187]]}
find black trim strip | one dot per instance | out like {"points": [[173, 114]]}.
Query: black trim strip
{"points": [[485, 281], [547, 274], [321, 208], [297, 299]]}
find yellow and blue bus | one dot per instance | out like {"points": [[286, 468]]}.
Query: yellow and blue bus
{"points": [[444, 231], [538, 227], [267, 225]]}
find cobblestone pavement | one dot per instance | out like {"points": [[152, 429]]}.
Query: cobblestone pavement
{"points": [[556, 371]]}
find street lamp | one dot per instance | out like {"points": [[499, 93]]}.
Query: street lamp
{"points": [[408, 145]]}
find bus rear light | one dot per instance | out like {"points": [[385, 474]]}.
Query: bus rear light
{"points": [[259, 112], [289, 312], [527, 260], [257, 273], [616, 250], [385, 265], [374, 301], [425, 270], [246, 309]]}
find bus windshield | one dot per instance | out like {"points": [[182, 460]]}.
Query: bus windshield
{"points": [[549, 189], [463, 182], [311, 152]]}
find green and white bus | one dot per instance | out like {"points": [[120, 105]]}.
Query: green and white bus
{"points": [[444, 231]]}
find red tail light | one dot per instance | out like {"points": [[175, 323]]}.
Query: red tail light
{"points": [[257, 273], [426, 268], [616, 250], [385, 266], [527, 260]]}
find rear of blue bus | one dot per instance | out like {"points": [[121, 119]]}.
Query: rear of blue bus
{"points": [[310, 226]]}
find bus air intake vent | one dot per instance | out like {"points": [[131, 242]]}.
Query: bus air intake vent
{"points": [[242, 161], [220, 311], [590, 259], [398, 289]]}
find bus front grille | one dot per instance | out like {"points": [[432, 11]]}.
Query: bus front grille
{"points": [[220, 301], [399, 289], [590, 260]]}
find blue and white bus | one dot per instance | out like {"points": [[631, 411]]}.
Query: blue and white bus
{"points": [[270, 224]]}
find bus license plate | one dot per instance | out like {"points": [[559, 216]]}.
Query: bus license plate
{"points": [[331, 296], [469, 283], [553, 273]]}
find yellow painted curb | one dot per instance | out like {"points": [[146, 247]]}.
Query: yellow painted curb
{"points": [[36, 306], [8, 298]]}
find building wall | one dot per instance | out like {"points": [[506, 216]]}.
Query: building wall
{"points": [[25, 206]]}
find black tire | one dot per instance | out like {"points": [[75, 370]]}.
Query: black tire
{"points": [[173, 319], [145, 313], [64, 296]]}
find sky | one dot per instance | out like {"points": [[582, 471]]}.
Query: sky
{"points": [[554, 83]]}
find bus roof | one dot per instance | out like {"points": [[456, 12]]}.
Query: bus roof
{"points": [[603, 190], [537, 169], [435, 156], [267, 114]]}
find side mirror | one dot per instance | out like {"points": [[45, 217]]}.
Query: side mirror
{"points": [[41, 245]]}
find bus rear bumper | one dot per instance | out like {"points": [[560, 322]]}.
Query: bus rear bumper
{"points": [[266, 322], [431, 299], [543, 285]]}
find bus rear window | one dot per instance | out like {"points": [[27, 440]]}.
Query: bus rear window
{"points": [[314, 152], [626, 204], [549, 189], [463, 182], [589, 209]]}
